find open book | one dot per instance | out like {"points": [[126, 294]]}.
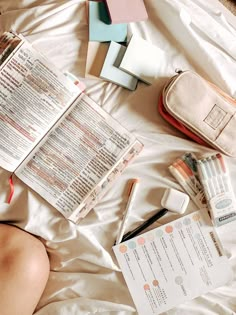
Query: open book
{"points": [[52, 136]]}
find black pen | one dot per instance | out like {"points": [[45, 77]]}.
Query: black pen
{"points": [[145, 224]]}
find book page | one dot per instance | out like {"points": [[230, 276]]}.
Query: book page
{"points": [[8, 43], [34, 94], [79, 153], [173, 263], [99, 190]]}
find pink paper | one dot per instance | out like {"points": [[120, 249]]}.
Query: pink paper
{"points": [[125, 11]]}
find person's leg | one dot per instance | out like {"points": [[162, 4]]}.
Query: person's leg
{"points": [[24, 271]]}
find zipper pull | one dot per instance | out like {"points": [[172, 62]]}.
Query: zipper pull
{"points": [[179, 71]]}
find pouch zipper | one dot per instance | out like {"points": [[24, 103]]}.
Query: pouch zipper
{"points": [[169, 83]]}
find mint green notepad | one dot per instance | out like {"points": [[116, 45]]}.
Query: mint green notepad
{"points": [[99, 28], [110, 70]]}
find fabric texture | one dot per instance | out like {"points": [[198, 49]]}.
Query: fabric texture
{"points": [[85, 278]]}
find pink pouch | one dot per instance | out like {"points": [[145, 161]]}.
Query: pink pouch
{"points": [[200, 110]]}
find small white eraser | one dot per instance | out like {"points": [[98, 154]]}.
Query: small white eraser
{"points": [[175, 200]]}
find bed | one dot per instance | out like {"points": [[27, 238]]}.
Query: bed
{"points": [[85, 277]]}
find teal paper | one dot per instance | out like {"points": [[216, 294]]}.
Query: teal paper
{"points": [[99, 28], [111, 71]]}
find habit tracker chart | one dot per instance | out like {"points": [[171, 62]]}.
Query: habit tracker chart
{"points": [[173, 263]]}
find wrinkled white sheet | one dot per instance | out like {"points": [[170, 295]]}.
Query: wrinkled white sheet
{"points": [[84, 277]]}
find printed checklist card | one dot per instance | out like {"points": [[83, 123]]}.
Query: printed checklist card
{"points": [[173, 263]]}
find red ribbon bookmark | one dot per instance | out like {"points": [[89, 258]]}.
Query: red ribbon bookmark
{"points": [[11, 189]]}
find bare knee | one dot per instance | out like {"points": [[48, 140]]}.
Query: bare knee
{"points": [[19, 245], [24, 269]]}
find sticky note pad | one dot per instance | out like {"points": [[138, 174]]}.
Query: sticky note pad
{"points": [[96, 55], [142, 59], [126, 11], [100, 29], [111, 71]]}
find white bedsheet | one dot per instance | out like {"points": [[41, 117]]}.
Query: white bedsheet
{"points": [[85, 277]]}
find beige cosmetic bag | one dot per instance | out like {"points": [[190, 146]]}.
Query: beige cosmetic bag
{"points": [[200, 110]]}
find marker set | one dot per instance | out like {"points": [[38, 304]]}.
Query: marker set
{"points": [[208, 184], [185, 172], [215, 179], [213, 175]]}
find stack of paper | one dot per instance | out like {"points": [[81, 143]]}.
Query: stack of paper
{"points": [[110, 70], [142, 59], [126, 11], [100, 29], [124, 66], [96, 56]]}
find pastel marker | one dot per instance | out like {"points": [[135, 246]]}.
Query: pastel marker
{"points": [[203, 178], [190, 173], [185, 176], [217, 179], [218, 172], [209, 177], [218, 166], [181, 181], [211, 174], [191, 161], [185, 167], [220, 158], [224, 172]]}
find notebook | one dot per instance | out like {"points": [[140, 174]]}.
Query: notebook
{"points": [[100, 29], [125, 11], [110, 70], [142, 59]]}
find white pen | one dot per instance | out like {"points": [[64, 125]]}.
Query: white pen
{"points": [[131, 197]]}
